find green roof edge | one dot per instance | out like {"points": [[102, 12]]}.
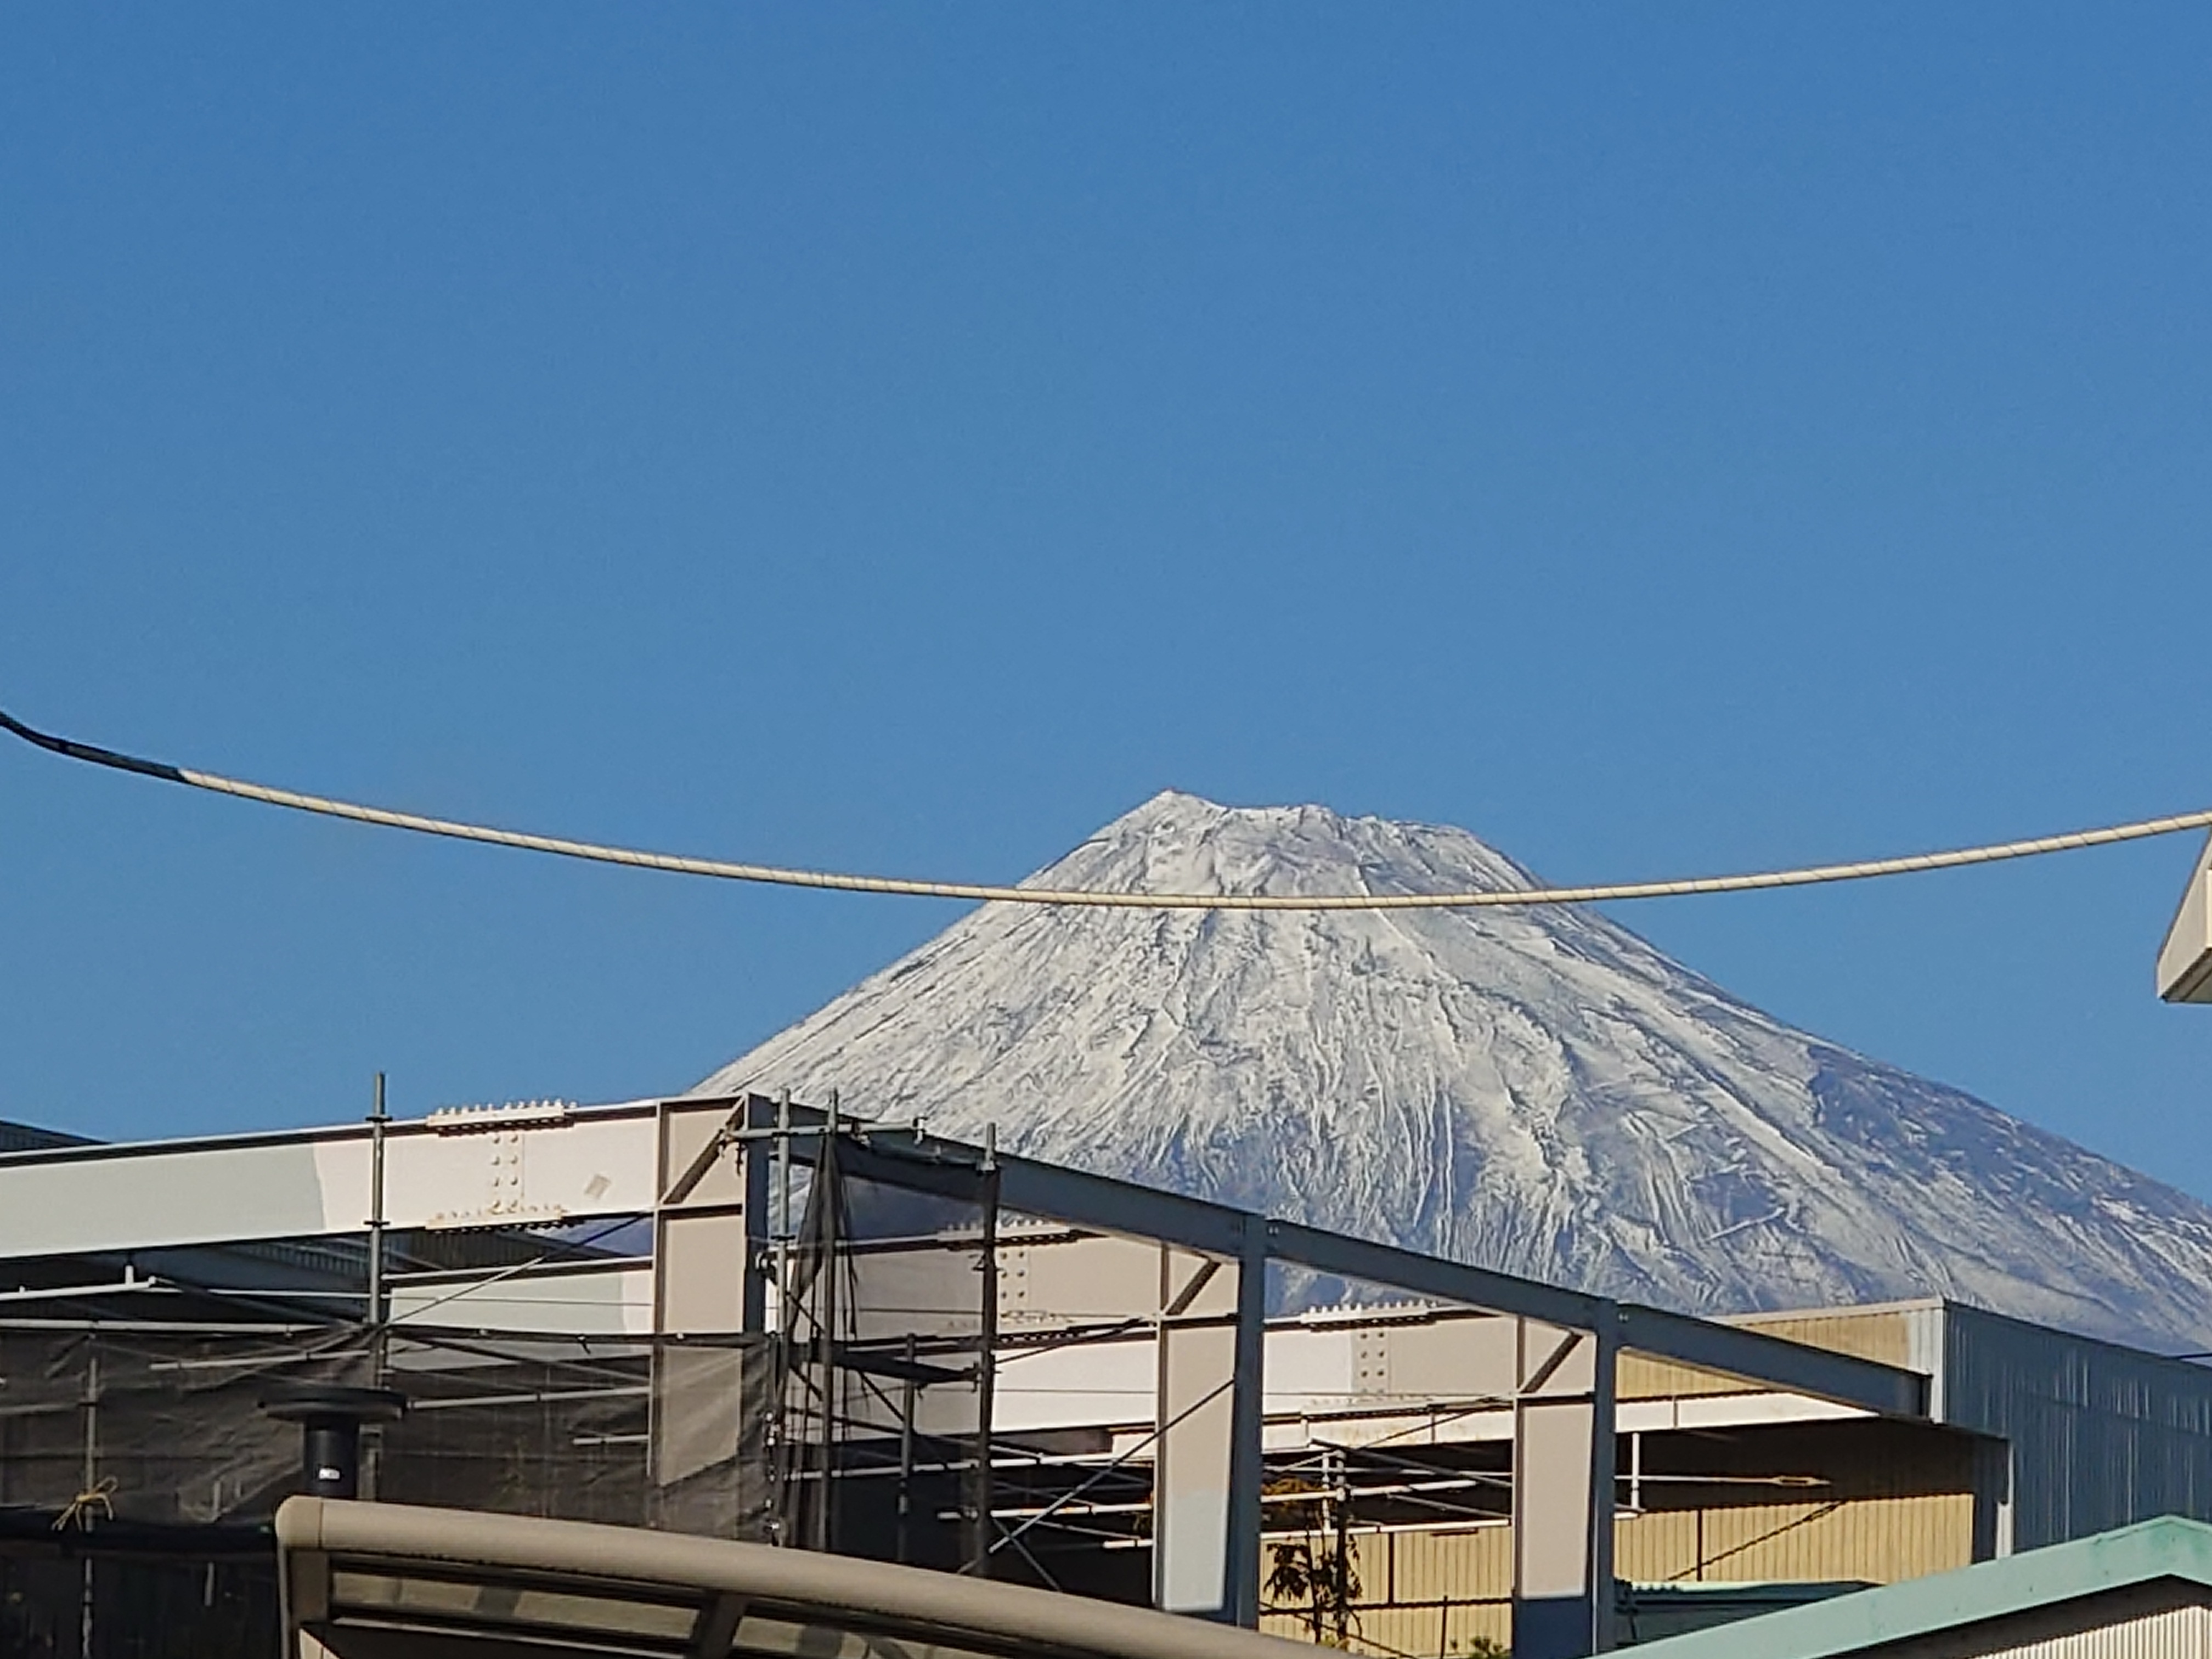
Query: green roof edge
{"points": [[2167, 1547]]}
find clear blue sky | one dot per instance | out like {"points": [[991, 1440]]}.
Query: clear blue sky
{"points": [[1662, 439]]}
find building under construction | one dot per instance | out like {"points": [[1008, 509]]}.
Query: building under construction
{"points": [[746, 1318]]}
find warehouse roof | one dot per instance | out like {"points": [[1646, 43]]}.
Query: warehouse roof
{"points": [[2167, 1548]]}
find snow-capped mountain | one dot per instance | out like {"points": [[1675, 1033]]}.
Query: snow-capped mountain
{"points": [[1533, 1089]]}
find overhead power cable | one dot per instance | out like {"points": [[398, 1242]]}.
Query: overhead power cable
{"points": [[987, 893]]}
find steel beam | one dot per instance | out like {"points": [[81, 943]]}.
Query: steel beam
{"points": [[1194, 1465], [1431, 1276], [1564, 1430], [1248, 1431], [464, 1170], [909, 1157], [710, 1228]]}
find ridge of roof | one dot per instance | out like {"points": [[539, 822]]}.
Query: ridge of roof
{"points": [[2169, 1546]]}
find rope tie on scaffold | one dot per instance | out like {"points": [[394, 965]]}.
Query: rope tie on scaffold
{"points": [[78, 1512]]}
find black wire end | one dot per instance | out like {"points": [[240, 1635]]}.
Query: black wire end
{"points": [[87, 752]]}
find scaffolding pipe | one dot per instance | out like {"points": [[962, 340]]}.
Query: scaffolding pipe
{"points": [[981, 1542]]}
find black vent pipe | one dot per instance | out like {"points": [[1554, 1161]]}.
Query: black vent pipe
{"points": [[330, 1415]]}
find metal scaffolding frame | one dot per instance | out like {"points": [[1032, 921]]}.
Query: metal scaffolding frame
{"points": [[890, 1286], [1558, 1382]]}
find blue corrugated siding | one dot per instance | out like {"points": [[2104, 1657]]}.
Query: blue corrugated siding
{"points": [[2101, 1435]]}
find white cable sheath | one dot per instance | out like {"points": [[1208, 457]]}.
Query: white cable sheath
{"points": [[989, 894]]}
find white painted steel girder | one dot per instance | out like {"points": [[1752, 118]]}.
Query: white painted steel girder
{"points": [[475, 1169], [2185, 963]]}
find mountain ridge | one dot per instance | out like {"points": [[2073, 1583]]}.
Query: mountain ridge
{"points": [[1536, 1089]]}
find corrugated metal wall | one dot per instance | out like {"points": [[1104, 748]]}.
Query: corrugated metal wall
{"points": [[2101, 1435], [1891, 1333], [1885, 1332], [1878, 1539], [1445, 1596], [1642, 1378], [1426, 1593], [2173, 1632], [1430, 1592]]}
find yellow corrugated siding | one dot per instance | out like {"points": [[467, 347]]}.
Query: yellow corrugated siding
{"points": [[1418, 1589], [1439, 1593], [1459, 1583], [1639, 1378], [1427, 1566], [1884, 1334], [1418, 1631], [1880, 1539]]}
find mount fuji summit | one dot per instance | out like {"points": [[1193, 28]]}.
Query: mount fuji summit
{"points": [[1536, 1089]]}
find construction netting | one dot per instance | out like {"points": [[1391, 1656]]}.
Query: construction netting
{"points": [[139, 1466]]}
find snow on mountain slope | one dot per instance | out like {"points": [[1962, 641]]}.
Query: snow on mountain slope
{"points": [[1538, 1091]]}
